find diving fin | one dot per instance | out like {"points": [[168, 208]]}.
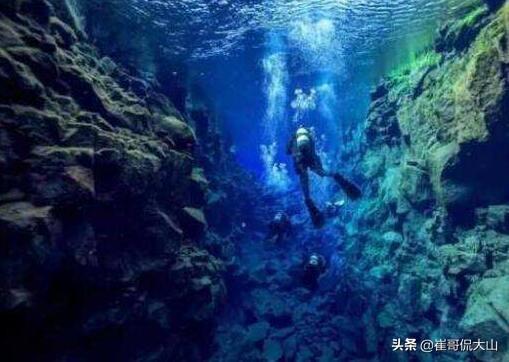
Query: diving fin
{"points": [[351, 190], [317, 217]]}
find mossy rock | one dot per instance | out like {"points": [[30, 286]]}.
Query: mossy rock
{"points": [[178, 132], [487, 312], [462, 259]]}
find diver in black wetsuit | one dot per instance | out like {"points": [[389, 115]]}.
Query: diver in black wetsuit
{"points": [[302, 149], [280, 227], [314, 266]]}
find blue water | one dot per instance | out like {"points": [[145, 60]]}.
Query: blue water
{"points": [[248, 58], [264, 68]]}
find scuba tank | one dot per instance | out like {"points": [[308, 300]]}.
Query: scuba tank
{"points": [[302, 139]]}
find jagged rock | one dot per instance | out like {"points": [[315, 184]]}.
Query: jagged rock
{"points": [[176, 132], [283, 333], [290, 347], [64, 34], [25, 218], [272, 350], [304, 354], [433, 222], [257, 332], [96, 170], [173, 226], [393, 239], [197, 283], [459, 33], [487, 313], [327, 354], [15, 298], [61, 176], [495, 217], [198, 186], [416, 187], [193, 222], [458, 260]]}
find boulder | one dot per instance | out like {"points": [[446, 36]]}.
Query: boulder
{"points": [[487, 312], [272, 350], [495, 217], [24, 218], [257, 332], [198, 287], [177, 133], [463, 259], [290, 347], [193, 222]]}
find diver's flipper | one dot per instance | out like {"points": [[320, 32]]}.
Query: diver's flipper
{"points": [[317, 217], [351, 190]]}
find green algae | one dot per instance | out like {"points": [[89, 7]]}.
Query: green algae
{"points": [[422, 60]]}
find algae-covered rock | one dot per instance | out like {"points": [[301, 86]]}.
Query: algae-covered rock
{"points": [[196, 283], [176, 132], [495, 217], [459, 33], [96, 171], [487, 312], [463, 259], [431, 232]]}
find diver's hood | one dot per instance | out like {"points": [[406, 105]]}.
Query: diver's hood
{"points": [[314, 260]]}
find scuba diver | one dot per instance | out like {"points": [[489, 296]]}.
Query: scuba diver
{"points": [[302, 149], [280, 227], [332, 209], [314, 266]]}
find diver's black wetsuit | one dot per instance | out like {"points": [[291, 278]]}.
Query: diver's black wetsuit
{"points": [[311, 272], [305, 158], [279, 228]]}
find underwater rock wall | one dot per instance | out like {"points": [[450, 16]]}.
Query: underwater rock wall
{"points": [[101, 205], [428, 247]]}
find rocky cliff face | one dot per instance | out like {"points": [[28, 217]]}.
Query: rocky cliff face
{"points": [[101, 205], [430, 242]]}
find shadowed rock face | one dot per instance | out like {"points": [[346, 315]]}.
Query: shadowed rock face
{"points": [[435, 156], [98, 190]]}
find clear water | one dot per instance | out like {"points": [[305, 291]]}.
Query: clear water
{"points": [[250, 57], [264, 68]]}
